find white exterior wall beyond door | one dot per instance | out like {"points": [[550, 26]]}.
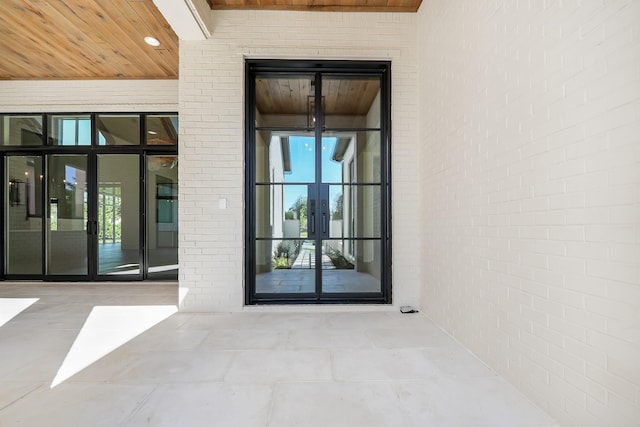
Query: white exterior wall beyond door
{"points": [[212, 137], [530, 127], [82, 96]]}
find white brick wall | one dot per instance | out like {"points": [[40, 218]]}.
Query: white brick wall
{"points": [[211, 137], [44, 96], [530, 128]]}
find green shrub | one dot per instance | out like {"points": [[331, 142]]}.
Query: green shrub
{"points": [[281, 263], [288, 249]]}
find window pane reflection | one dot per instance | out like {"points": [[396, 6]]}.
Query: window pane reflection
{"points": [[118, 214], [284, 101], [21, 130], [285, 158], [162, 129], [351, 157], [118, 129], [351, 102], [354, 211], [162, 216], [23, 215], [285, 266], [70, 130], [281, 211], [67, 214], [351, 266]]}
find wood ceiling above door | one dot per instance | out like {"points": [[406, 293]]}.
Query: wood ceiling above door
{"points": [[79, 39], [321, 5], [103, 39], [291, 95]]}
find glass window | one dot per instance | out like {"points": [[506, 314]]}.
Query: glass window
{"points": [[23, 215], [21, 130], [118, 129], [351, 157], [162, 216], [281, 211], [118, 214], [67, 214], [351, 102], [70, 130], [285, 101], [162, 129], [283, 157]]}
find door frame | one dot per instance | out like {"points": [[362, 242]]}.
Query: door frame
{"points": [[381, 69]]}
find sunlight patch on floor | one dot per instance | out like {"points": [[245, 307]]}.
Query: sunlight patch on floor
{"points": [[106, 329], [11, 307], [182, 294]]}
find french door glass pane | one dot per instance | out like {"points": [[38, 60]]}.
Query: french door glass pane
{"points": [[351, 157], [67, 214], [281, 211], [118, 214], [355, 211], [285, 101], [285, 158], [351, 102], [23, 214], [162, 215], [351, 266], [21, 130], [285, 266]]}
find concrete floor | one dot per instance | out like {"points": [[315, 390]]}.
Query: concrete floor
{"points": [[119, 355]]}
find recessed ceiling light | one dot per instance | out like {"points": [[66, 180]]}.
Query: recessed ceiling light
{"points": [[152, 41], [150, 132]]}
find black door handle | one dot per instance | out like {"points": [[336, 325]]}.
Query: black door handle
{"points": [[312, 218], [324, 223], [323, 209], [92, 227]]}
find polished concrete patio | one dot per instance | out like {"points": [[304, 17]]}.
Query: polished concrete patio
{"points": [[120, 355]]}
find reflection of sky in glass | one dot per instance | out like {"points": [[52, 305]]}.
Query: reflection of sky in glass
{"points": [[303, 164], [302, 160], [70, 176], [68, 135]]}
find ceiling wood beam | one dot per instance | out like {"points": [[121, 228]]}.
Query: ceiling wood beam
{"points": [[319, 5]]}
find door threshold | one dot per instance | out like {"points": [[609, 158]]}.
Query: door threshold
{"points": [[320, 308]]}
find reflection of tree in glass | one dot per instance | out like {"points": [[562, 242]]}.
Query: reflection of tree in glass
{"points": [[298, 211], [336, 213]]}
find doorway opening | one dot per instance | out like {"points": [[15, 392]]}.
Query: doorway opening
{"points": [[318, 182]]}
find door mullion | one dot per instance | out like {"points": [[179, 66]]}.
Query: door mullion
{"points": [[92, 214], [46, 210], [318, 159]]}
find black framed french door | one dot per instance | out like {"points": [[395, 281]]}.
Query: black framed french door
{"points": [[318, 182], [73, 216]]}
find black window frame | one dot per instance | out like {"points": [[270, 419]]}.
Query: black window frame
{"points": [[255, 67], [143, 150]]}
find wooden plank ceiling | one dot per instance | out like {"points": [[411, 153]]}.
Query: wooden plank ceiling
{"points": [[103, 39], [292, 95], [80, 39], [320, 5]]}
